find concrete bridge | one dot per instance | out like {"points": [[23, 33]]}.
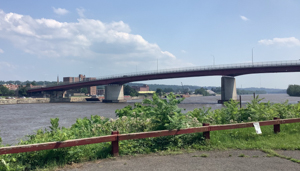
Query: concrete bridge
{"points": [[114, 84]]}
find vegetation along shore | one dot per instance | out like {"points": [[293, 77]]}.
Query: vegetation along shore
{"points": [[160, 114]]}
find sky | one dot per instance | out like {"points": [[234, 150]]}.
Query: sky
{"points": [[40, 40]]}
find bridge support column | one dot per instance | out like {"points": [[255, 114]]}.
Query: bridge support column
{"points": [[228, 89], [114, 93], [58, 94]]}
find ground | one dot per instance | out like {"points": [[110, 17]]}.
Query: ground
{"points": [[231, 160]]}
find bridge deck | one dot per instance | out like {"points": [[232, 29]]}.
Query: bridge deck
{"points": [[212, 70]]}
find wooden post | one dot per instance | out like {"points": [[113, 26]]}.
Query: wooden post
{"points": [[277, 126], [115, 144], [240, 101], [206, 135]]}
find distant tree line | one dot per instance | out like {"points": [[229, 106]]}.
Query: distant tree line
{"points": [[293, 90], [242, 91]]}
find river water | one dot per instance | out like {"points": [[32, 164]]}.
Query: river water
{"points": [[19, 120]]}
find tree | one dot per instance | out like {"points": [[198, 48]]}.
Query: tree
{"points": [[159, 91], [33, 83], [22, 91], [4, 90], [84, 90], [201, 91], [293, 90], [129, 91]]}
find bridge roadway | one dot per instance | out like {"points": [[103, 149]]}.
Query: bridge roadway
{"points": [[227, 71]]}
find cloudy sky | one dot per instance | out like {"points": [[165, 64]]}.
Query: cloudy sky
{"points": [[42, 39]]}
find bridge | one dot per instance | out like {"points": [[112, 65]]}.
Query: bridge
{"points": [[114, 83]]}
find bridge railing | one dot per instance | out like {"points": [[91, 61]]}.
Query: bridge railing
{"points": [[196, 68], [116, 137]]}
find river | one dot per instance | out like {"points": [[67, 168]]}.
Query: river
{"points": [[19, 120]]}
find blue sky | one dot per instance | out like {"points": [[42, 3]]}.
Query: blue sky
{"points": [[42, 39]]}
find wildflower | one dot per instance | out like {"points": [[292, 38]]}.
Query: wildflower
{"points": [[124, 117]]}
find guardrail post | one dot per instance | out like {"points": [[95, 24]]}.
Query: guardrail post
{"points": [[276, 126], [115, 144], [206, 135]]}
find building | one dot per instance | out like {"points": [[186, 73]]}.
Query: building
{"points": [[91, 90], [100, 91], [13, 87], [144, 87]]}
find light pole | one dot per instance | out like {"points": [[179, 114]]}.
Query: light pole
{"points": [[213, 59]]}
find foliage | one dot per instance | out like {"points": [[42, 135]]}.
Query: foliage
{"points": [[4, 90], [157, 114], [159, 91], [293, 90], [130, 91], [84, 90], [254, 111], [168, 90], [201, 91], [23, 91]]}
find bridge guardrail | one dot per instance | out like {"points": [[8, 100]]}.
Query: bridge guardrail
{"points": [[188, 69], [116, 137]]}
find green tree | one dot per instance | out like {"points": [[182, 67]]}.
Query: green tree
{"points": [[84, 90], [33, 83], [22, 91], [201, 91], [293, 90], [129, 91], [4, 90], [159, 91]]}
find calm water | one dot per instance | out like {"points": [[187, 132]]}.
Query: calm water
{"points": [[19, 120]]}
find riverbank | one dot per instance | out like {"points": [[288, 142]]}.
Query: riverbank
{"points": [[41, 100]]}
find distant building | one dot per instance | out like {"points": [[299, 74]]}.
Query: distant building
{"points": [[91, 90], [13, 87], [145, 87], [100, 91]]}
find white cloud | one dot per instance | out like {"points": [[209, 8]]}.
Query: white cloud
{"points": [[183, 51], [289, 41], [80, 12], [110, 43], [1, 51], [6, 65], [244, 18], [60, 11]]}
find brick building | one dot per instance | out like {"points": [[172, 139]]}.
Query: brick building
{"points": [[145, 87], [91, 90], [11, 86]]}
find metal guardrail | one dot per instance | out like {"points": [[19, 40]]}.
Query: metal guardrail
{"points": [[116, 137], [188, 69]]}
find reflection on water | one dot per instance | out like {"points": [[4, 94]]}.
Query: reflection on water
{"points": [[21, 119]]}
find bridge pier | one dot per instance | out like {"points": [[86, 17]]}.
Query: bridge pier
{"points": [[114, 93], [57, 94], [228, 89]]}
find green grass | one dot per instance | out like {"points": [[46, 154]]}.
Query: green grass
{"points": [[246, 138]]}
